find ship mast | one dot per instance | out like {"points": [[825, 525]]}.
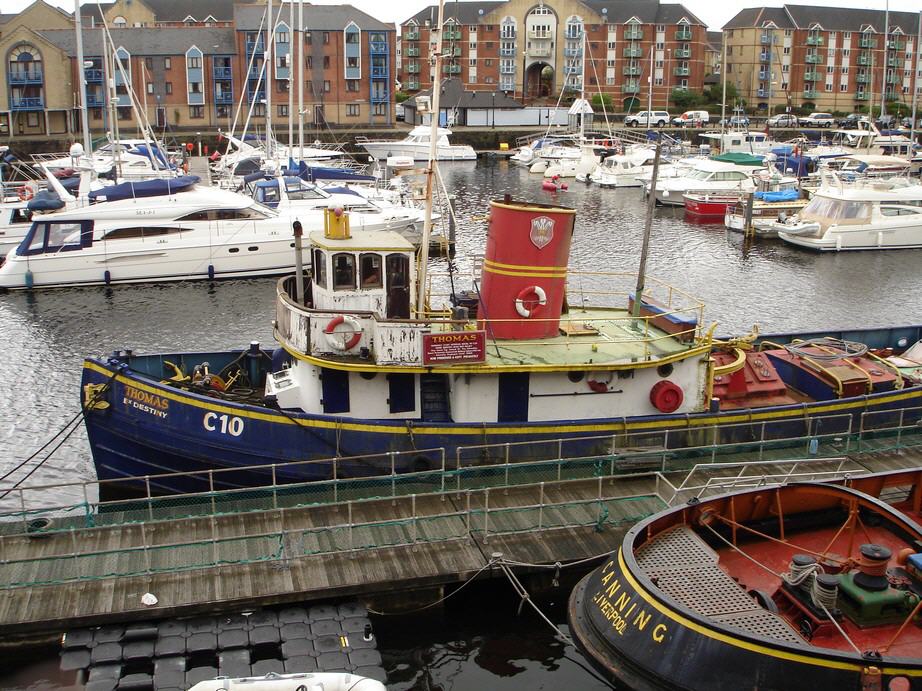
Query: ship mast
{"points": [[435, 59], [915, 90]]}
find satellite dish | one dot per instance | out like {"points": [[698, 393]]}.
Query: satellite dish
{"points": [[604, 10], [480, 11]]}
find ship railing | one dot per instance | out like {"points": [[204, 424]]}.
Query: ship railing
{"points": [[719, 478]]}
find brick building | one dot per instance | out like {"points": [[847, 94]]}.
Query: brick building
{"points": [[189, 63], [836, 59], [531, 51]]}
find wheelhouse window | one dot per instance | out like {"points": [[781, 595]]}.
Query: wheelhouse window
{"points": [[139, 232], [371, 271], [343, 271], [57, 237], [397, 271], [320, 268], [224, 215]]}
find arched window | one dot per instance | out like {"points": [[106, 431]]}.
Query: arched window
{"points": [[25, 64], [574, 28], [120, 21], [507, 28]]}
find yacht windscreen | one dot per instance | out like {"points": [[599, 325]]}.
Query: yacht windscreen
{"points": [[827, 211]]}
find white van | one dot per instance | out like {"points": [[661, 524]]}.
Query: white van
{"points": [[692, 118], [648, 118]]}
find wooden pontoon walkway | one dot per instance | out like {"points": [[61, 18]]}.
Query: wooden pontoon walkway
{"points": [[366, 548]]}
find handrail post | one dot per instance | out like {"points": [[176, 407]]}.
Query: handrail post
{"points": [[351, 541], [762, 442], [86, 503], [468, 519], [73, 542], [393, 478], [147, 559], [22, 504], [444, 469], [415, 531], [486, 516], [541, 506], [275, 493], [214, 508], [150, 499], [899, 431], [335, 482]]}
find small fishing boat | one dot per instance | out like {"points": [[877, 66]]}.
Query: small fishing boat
{"points": [[709, 205], [313, 681], [416, 144], [796, 587]]}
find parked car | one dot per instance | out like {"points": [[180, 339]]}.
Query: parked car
{"points": [[782, 120], [736, 121], [817, 120], [647, 118], [692, 118], [850, 122], [887, 122], [907, 123]]}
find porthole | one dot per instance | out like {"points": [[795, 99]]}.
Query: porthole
{"points": [[252, 248], [234, 250], [665, 370], [575, 376]]}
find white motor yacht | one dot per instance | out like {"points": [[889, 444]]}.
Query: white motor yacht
{"points": [[128, 158], [707, 175], [197, 234], [416, 145], [622, 170], [864, 215]]}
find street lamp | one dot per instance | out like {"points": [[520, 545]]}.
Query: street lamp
{"points": [[493, 108]]}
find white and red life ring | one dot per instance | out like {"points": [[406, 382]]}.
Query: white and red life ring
{"points": [[599, 381], [346, 339], [538, 299], [666, 396]]}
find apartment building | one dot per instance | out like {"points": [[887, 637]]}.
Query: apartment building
{"points": [[836, 59], [531, 51], [192, 66]]}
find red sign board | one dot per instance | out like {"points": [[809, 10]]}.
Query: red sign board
{"points": [[453, 347]]}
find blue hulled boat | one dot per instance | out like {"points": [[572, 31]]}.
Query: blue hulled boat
{"points": [[367, 364]]}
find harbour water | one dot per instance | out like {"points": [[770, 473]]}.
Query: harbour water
{"points": [[478, 641]]}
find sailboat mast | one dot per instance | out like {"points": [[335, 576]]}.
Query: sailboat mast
{"points": [[723, 96], [435, 59], [647, 228], [81, 81], [291, 71], [300, 80], [268, 66], [915, 88], [650, 92]]}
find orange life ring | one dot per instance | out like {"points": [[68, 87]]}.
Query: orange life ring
{"points": [[25, 194], [538, 302], [346, 343], [666, 397]]}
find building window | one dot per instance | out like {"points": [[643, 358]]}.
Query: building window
{"points": [[843, 86], [150, 87], [787, 50], [168, 87], [846, 53], [259, 110], [658, 81], [119, 21], [661, 27], [352, 85], [167, 63], [847, 34], [196, 112], [326, 37], [352, 37], [222, 111], [194, 62], [283, 110], [309, 62], [326, 86], [352, 110], [352, 62], [149, 63], [828, 86], [281, 37], [326, 62], [488, 62], [195, 87], [472, 62]]}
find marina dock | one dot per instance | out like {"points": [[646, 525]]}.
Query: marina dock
{"points": [[379, 539]]}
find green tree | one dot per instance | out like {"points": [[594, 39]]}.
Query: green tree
{"points": [[685, 99], [714, 94], [599, 99], [401, 96]]}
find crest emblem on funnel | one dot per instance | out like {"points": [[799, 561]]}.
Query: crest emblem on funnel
{"points": [[542, 231]]}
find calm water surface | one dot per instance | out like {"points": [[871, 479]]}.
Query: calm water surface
{"points": [[480, 643]]}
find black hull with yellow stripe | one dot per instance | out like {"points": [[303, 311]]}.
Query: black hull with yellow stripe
{"points": [[639, 624]]}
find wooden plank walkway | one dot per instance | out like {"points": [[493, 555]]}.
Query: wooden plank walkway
{"points": [[366, 548]]}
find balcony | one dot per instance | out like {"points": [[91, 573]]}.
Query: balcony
{"points": [[681, 71], [631, 87], [633, 35], [867, 42], [256, 96], [894, 79], [863, 79], [682, 53], [894, 61], [21, 76], [861, 96], [223, 73], [412, 52], [765, 57], [569, 69], [890, 95], [809, 93], [95, 100], [683, 35], [763, 76], [93, 74], [766, 39], [453, 35], [380, 97], [540, 51], [814, 40], [539, 34], [451, 69], [631, 70], [814, 58], [379, 47], [223, 98], [413, 68], [255, 47], [412, 36], [573, 52], [893, 44], [413, 84], [864, 59], [254, 73], [507, 52], [633, 52], [812, 76], [507, 69], [456, 52], [378, 71], [765, 93], [507, 34], [29, 103]]}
